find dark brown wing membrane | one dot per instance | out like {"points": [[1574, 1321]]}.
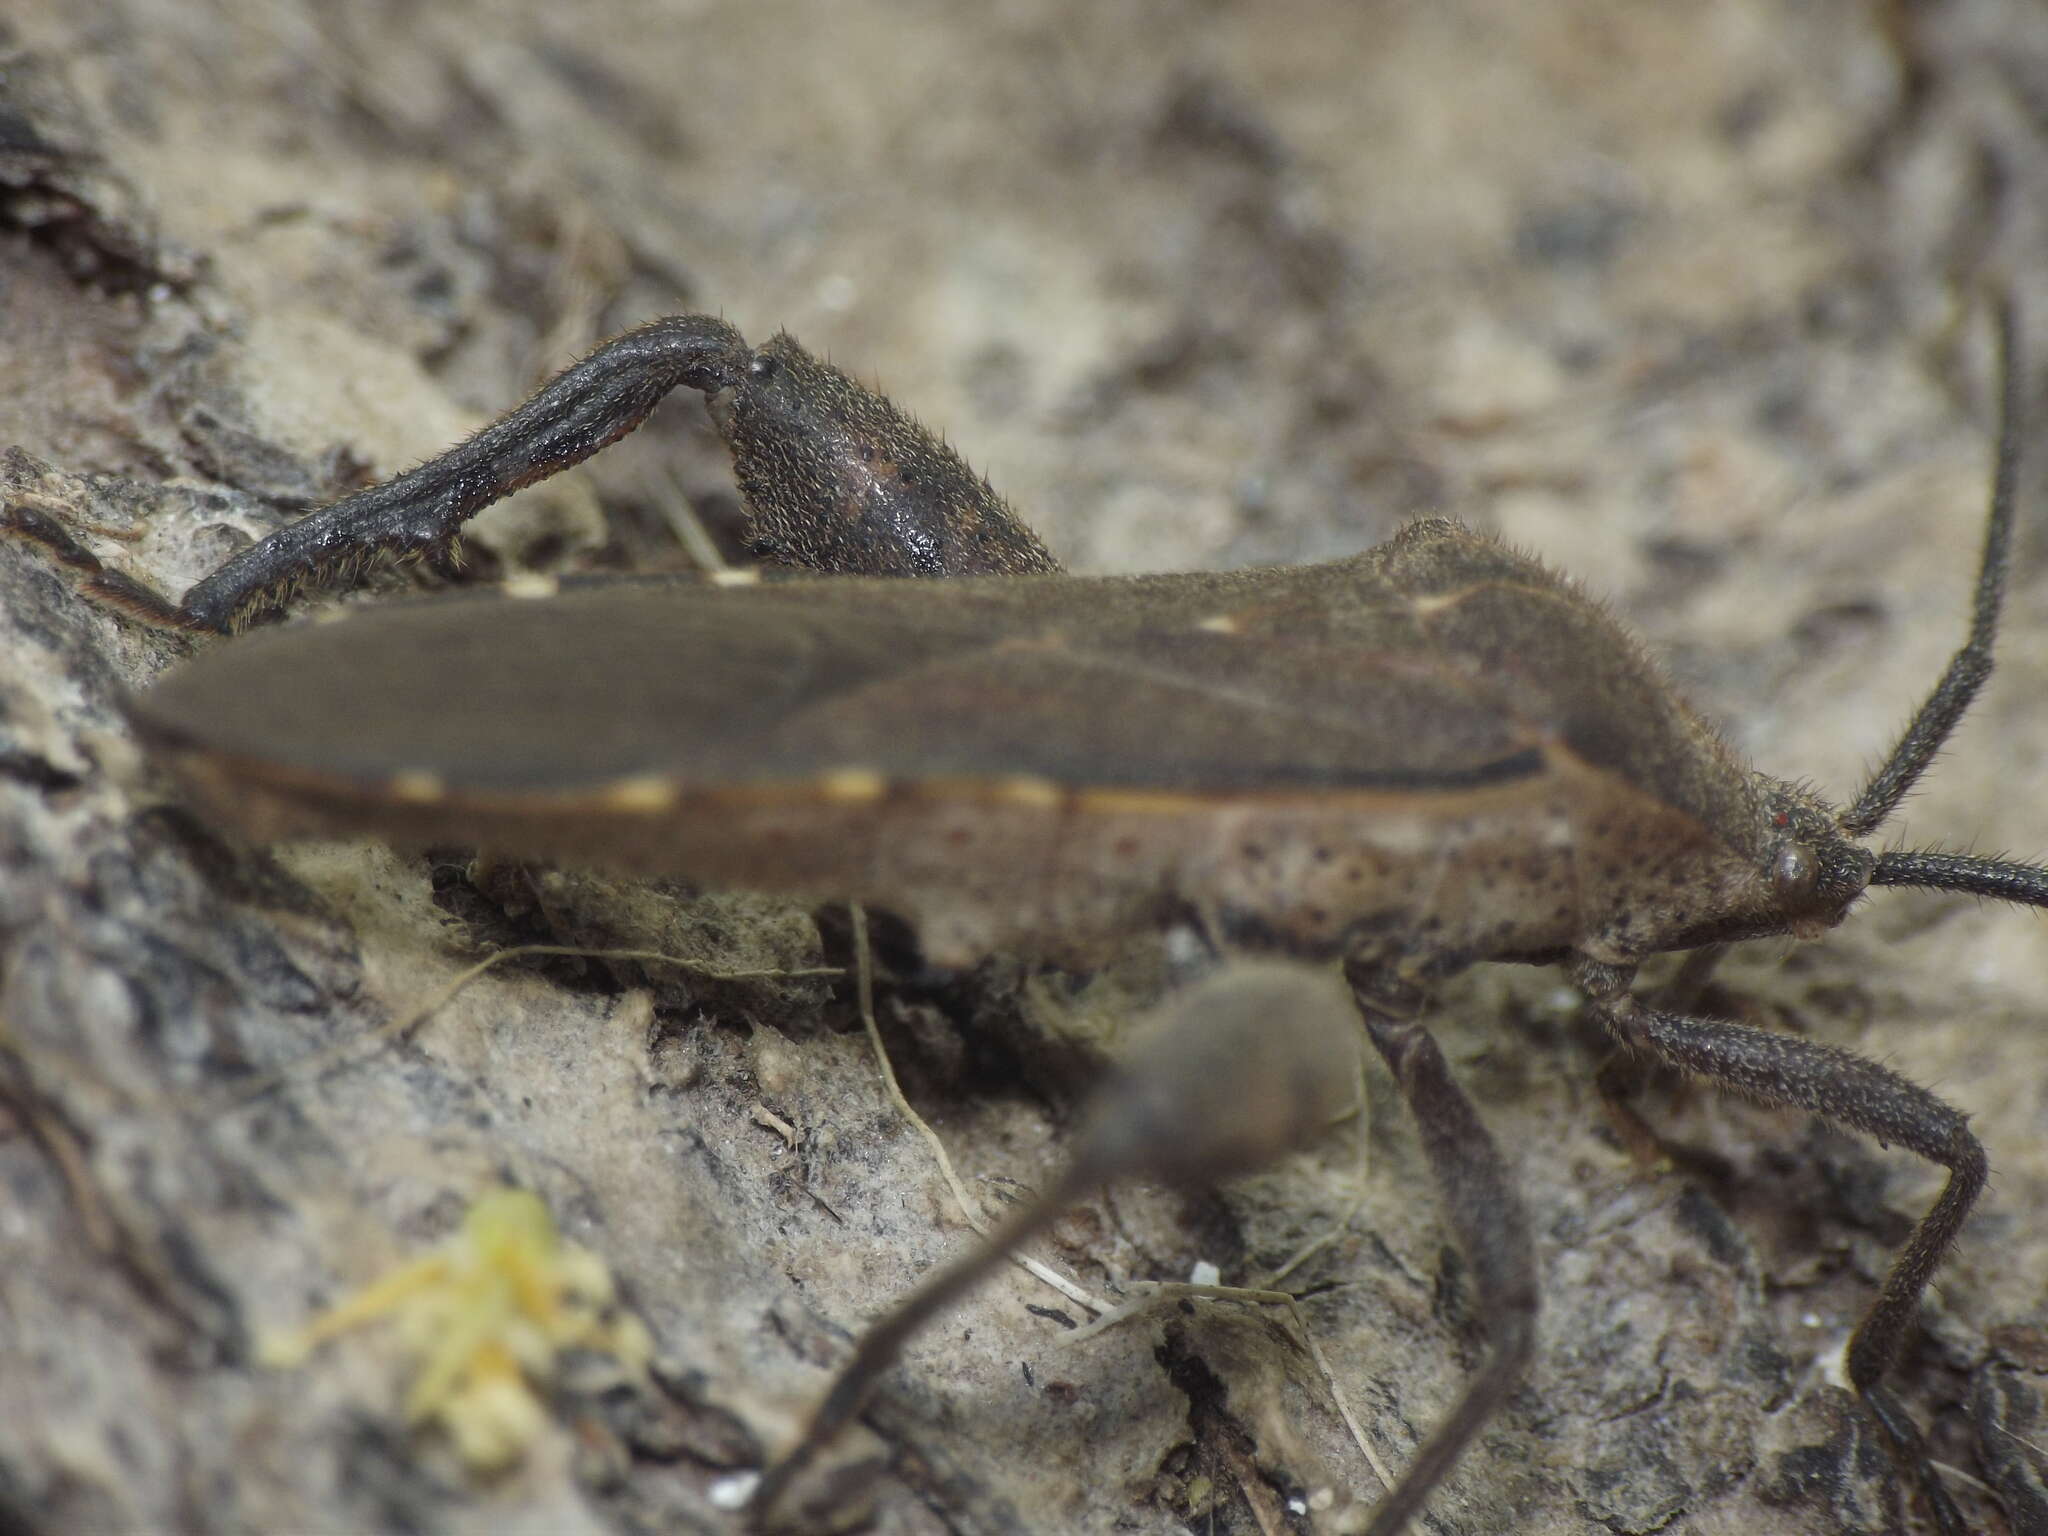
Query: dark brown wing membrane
{"points": [[1381, 671]]}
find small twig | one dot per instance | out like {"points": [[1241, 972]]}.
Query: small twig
{"points": [[2033, 1445], [1956, 1474], [1146, 1293], [864, 984], [768, 1120], [1341, 1224], [59, 1143], [319, 1063], [682, 520]]}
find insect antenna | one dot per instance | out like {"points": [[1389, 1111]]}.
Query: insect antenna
{"points": [[1935, 870], [1969, 667]]}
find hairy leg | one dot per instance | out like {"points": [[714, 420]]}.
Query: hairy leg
{"points": [[1855, 1092], [1492, 1228]]}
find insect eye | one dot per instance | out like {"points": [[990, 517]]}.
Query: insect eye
{"points": [[762, 367], [1794, 870]]}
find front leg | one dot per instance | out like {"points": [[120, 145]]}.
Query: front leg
{"points": [[1849, 1090], [834, 476]]}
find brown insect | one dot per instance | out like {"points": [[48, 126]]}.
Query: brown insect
{"points": [[1427, 755]]}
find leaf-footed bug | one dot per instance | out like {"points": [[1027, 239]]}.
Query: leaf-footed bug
{"points": [[1427, 755]]}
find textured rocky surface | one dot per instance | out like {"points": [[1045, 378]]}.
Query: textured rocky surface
{"points": [[1667, 294]]}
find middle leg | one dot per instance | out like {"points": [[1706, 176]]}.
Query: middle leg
{"points": [[1492, 1228]]}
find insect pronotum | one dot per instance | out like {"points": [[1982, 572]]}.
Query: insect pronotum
{"points": [[1430, 754]]}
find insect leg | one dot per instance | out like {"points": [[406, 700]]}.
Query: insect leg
{"points": [[1682, 993], [580, 410], [1619, 1078], [1855, 1092], [1492, 1228], [837, 478]]}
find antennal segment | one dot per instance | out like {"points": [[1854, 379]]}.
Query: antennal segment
{"points": [[1967, 669], [1931, 869]]}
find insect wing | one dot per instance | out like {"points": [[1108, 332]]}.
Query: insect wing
{"points": [[1188, 684]]}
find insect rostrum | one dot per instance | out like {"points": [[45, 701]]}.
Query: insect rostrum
{"points": [[1433, 753]]}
